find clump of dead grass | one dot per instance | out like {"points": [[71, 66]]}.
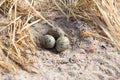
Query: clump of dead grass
{"points": [[15, 37], [16, 31], [104, 14]]}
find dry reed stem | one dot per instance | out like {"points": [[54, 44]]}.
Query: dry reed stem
{"points": [[8, 66], [111, 17], [18, 32], [103, 13]]}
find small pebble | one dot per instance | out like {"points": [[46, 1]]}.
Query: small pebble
{"points": [[103, 47], [72, 60], [59, 69], [71, 74], [82, 51], [76, 26], [28, 51], [31, 20], [51, 60]]}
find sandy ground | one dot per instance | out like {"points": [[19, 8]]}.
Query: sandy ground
{"points": [[86, 59]]}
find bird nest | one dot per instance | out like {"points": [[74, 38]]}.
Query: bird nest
{"points": [[15, 36]]}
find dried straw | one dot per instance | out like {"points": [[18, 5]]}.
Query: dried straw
{"points": [[104, 14]]}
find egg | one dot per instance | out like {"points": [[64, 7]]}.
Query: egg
{"points": [[56, 32], [62, 43], [48, 41]]}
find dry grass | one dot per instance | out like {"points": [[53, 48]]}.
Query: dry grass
{"points": [[104, 14], [18, 36], [15, 36]]}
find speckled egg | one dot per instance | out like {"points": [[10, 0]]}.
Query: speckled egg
{"points": [[48, 41], [56, 32], [62, 43]]}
